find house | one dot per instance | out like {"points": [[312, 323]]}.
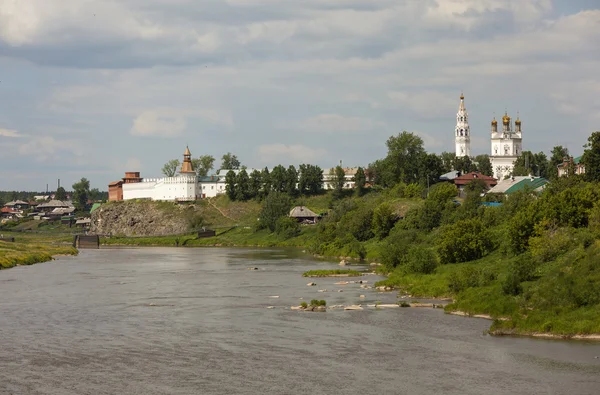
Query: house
{"points": [[54, 204], [8, 213], [519, 183], [83, 223], [349, 174], [304, 214], [465, 179], [450, 176], [17, 205], [571, 163]]}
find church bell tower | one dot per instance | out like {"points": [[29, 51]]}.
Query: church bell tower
{"points": [[462, 133]]}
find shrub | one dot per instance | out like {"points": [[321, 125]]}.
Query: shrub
{"points": [[304, 305], [276, 205], [464, 241], [413, 190], [357, 249], [421, 260], [383, 220], [287, 227]]}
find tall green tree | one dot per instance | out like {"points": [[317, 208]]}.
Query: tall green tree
{"points": [[279, 178], [292, 180], [230, 162], [447, 159], [242, 188], [464, 164], [81, 192], [230, 187], [275, 206], [170, 168], [255, 184], [203, 164], [431, 169], [360, 181], [310, 179], [591, 157], [557, 156], [60, 194], [484, 165], [266, 180], [338, 179], [405, 153]]}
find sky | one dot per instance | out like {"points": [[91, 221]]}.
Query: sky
{"points": [[94, 88]]}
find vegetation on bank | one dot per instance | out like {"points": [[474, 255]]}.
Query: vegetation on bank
{"points": [[332, 273], [23, 252]]}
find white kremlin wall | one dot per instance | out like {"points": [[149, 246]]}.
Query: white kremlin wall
{"points": [[182, 188]]}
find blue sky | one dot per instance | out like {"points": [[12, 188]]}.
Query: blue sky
{"points": [[98, 87]]}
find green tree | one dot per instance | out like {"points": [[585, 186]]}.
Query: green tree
{"points": [[230, 162], [360, 181], [292, 180], [531, 164], [464, 241], [405, 153], [275, 206], [447, 159], [81, 191], [310, 179], [464, 164], [431, 168], [265, 177], [255, 184], [591, 157], [203, 164], [170, 168], [230, 187], [383, 220], [60, 194], [242, 189], [338, 179], [484, 165], [557, 156], [95, 194], [279, 178]]}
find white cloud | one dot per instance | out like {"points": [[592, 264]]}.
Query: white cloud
{"points": [[426, 104], [49, 149], [334, 123], [10, 133], [159, 123], [283, 153]]}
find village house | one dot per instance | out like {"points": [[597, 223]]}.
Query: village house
{"points": [[304, 215], [349, 174], [571, 163], [463, 180], [519, 183]]}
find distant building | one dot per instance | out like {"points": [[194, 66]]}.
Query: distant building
{"points": [[462, 132], [329, 177], [506, 146], [568, 163], [304, 214], [519, 183], [465, 179]]}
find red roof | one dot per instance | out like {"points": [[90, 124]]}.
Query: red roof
{"points": [[8, 210], [467, 178]]}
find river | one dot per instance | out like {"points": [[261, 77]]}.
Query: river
{"points": [[196, 321]]}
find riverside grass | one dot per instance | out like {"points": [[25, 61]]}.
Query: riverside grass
{"points": [[28, 253], [332, 273]]}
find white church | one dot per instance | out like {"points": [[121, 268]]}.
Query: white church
{"points": [[506, 145]]}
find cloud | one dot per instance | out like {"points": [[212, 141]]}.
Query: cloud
{"points": [[294, 153], [426, 104], [10, 133], [334, 123], [49, 149], [163, 123]]}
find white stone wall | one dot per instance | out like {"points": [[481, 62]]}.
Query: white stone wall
{"points": [[212, 189], [502, 166], [171, 189]]}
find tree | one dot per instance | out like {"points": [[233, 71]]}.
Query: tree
{"points": [[557, 156], [203, 165], [531, 164], [242, 189], [266, 180], [447, 159], [81, 191], [95, 194], [464, 164], [310, 179], [292, 180], [170, 168], [60, 194], [279, 178], [230, 180], [338, 180], [464, 241], [383, 220], [276, 205], [405, 152], [484, 165], [359, 181], [431, 168], [255, 184], [230, 162], [591, 157]]}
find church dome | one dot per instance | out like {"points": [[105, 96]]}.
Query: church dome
{"points": [[462, 97], [494, 122], [506, 119], [518, 121]]}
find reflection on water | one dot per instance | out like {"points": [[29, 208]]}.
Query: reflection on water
{"points": [[195, 321]]}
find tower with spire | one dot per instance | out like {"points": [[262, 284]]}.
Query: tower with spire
{"points": [[462, 132], [506, 146], [186, 167]]}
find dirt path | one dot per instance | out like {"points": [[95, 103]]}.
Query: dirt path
{"points": [[210, 201]]}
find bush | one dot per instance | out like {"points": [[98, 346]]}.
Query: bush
{"points": [[413, 190], [316, 303], [464, 241], [383, 220], [468, 277], [276, 205], [421, 260], [287, 227], [357, 249], [304, 305]]}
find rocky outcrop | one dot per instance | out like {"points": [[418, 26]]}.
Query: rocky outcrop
{"points": [[143, 218]]}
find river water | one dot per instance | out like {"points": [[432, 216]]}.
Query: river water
{"points": [[196, 321]]}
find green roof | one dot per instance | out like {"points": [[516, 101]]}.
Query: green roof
{"points": [[95, 206], [577, 160], [527, 183]]}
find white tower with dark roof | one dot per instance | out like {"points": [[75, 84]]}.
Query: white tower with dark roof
{"points": [[462, 133]]}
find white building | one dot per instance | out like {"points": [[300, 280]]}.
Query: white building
{"points": [[349, 174], [506, 146], [462, 132]]}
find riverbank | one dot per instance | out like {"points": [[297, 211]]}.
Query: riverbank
{"points": [[25, 252]]}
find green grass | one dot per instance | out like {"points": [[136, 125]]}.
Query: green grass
{"points": [[27, 253], [332, 273]]}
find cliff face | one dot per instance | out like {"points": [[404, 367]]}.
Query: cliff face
{"points": [[131, 218]]}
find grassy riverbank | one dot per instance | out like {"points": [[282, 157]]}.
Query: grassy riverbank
{"points": [[26, 251]]}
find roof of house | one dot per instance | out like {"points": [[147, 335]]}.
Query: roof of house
{"points": [[449, 176], [83, 221], [63, 210], [9, 204], [115, 183], [7, 210], [95, 206], [468, 177], [511, 185], [577, 160], [56, 203], [302, 212]]}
